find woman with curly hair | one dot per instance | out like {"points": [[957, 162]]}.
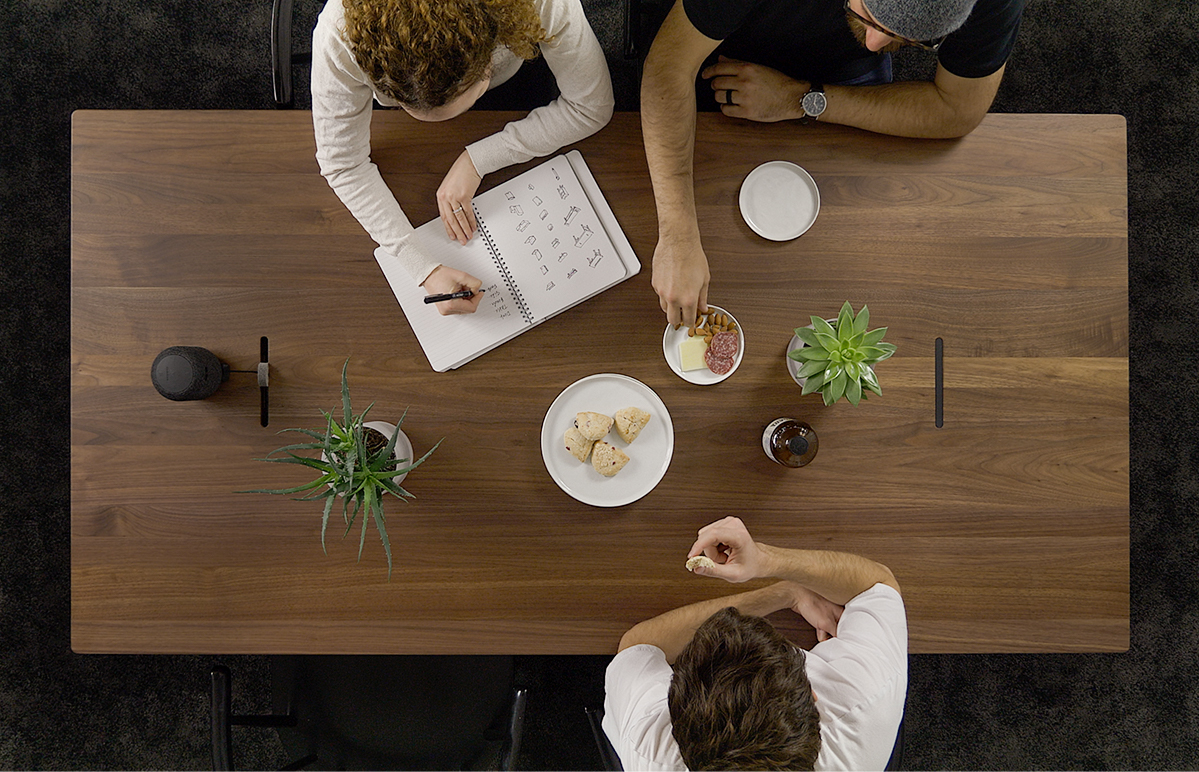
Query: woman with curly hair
{"points": [[435, 58]]}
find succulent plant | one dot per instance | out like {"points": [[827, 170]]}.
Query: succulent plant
{"points": [[353, 466], [838, 359]]}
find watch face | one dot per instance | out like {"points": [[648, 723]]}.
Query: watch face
{"points": [[814, 103]]}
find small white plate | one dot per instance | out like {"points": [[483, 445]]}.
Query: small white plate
{"points": [[649, 454], [704, 377], [779, 200]]}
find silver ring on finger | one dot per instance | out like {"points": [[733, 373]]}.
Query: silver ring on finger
{"points": [[459, 209]]}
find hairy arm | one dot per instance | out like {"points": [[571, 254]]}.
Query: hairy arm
{"points": [[671, 631], [668, 124], [837, 576], [949, 106]]}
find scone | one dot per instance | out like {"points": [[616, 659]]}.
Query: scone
{"points": [[578, 445], [630, 421], [608, 459], [700, 560], [593, 426]]}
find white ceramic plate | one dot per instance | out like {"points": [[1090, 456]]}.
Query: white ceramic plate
{"points": [[704, 377], [649, 454], [779, 200]]}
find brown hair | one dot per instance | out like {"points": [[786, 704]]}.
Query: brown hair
{"points": [[425, 53], [740, 698]]}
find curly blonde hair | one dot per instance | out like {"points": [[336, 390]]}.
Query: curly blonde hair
{"points": [[425, 53]]}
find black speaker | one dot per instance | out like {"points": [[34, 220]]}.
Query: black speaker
{"points": [[188, 372]]}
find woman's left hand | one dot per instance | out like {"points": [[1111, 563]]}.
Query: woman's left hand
{"points": [[454, 197]]}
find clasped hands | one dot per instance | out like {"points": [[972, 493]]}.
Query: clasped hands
{"points": [[739, 558]]}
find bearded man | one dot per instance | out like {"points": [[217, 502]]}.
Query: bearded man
{"points": [[811, 60]]}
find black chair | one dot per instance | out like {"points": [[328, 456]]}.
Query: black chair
{"points": [[641, 21], [608, 757], [283, 59], [382, 712], [896, 761]]}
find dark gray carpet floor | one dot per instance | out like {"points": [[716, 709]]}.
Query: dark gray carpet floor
{"points": [[59, 710]]}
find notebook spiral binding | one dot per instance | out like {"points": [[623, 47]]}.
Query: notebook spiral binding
{"points": [[499, 262]]}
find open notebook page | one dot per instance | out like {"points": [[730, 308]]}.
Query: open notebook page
{"points": [[549, 238], [444, 338], [529, 283]]}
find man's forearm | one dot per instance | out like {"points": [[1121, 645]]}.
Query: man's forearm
{"points": [[671, 631], [838, 576], [947, 107], [668, 128]]}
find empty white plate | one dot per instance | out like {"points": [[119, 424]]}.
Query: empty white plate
{"points": [[779, 200]]}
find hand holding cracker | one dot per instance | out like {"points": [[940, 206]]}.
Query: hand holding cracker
{"points": [[736, 557]]}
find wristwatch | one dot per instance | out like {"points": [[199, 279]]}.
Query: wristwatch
{"points": [[813, 103]]}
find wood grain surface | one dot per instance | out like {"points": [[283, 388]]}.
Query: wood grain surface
{"points": [[1007, 527]]}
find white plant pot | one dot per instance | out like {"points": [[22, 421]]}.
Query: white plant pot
{"points": [[792, 365], [403, 448]]}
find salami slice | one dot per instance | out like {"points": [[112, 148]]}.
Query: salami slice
{"points": [[725, 344], [718, 365], [722, 352]]}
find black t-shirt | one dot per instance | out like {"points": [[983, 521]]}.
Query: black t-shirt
{"points": [[811, 39]]}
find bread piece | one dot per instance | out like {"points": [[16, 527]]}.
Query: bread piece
{"points": [[700, 560], [608, 459], [630, 421], [593, 426], [578, 445]]}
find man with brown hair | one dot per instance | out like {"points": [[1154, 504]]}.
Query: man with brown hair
{"points": [[712, 685]]}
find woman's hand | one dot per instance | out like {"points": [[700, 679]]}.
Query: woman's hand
{"points": [[454, 196], [444, 281]]}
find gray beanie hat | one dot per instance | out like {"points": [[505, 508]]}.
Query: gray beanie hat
{"points": [[920, 19]]}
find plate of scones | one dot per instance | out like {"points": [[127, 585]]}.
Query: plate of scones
{"points": [[607, 440]]}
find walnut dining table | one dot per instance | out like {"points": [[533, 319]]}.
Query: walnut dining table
{"points": [[1007, 525]]}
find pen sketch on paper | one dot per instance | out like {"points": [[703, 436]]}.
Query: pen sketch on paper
{"points": [[555, 198]]}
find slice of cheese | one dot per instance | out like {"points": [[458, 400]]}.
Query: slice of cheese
{"points": [[691, 353]]}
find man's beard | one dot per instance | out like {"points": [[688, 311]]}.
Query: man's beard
{"points": [[859, 32]]}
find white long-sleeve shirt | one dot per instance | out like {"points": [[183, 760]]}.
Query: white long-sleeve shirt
{"points": [[341, 114], [860, 679]]}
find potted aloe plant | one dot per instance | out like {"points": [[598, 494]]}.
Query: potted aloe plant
{"points": [[360, 463], [836, 357]]}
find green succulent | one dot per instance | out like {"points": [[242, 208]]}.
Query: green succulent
{"points": [[349, 470], [838, 359]]}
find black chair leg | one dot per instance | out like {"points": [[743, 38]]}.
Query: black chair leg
{"points": [[608, 756]]}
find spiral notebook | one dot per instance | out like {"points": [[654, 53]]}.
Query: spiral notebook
{"points": [[547, 241]]}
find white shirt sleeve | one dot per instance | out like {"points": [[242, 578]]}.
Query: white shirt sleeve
{"points": [[583, 108], [636, 711], [342, 102], [860, 679]]}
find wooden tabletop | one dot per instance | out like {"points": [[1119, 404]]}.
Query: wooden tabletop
{"points": [[1007, 527]]}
